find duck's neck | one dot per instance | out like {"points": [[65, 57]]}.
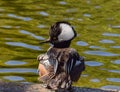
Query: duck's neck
{"points": [[64, 44]]}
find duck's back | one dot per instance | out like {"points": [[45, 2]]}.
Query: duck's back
{"points": [[66, 66]]}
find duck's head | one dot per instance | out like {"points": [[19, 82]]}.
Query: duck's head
{"points": [[61, 34]]}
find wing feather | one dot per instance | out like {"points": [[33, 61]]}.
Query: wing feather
{"points": [[75, 65]]}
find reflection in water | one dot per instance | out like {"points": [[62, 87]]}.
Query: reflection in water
{"points": [[8, 27], [62, 3], [43, 13], [93, 63], [5, 26], [114, 71], [100, 53], [14, 78], [31, 34], [88, 1], [111, 87], [117, 26], [97, 47], [41, 26], [113, 79], [15, 62], [79, 19], [106, 41], [19, 17], [111, 34], [8, 39], [87, 15], [95, 80], [115, 47], [21, 44], [97, 7], [82, 43], [18, 70], [116, 62], [84, 75]]}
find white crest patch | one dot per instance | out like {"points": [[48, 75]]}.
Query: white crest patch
{"points": [[67, 32]]}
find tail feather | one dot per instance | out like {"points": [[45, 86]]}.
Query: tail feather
{"points": [[60, 81]]}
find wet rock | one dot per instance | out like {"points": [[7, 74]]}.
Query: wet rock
{"points": [[20, 87]]}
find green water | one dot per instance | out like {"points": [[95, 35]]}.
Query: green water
{"points": [[24, 23]]}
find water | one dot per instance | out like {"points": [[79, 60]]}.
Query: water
{"points": [[24, 24], [93, 63], [20, 44], [14, 62], [14, 78]]}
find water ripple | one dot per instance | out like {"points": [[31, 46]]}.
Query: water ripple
{"points": [[62, 3], [111, 87], [15, 62], [116, 61], [113, 79], [14, 78], [106, 41], [84, 75], [79, 19], [8, 39], [33, 35], [20, 17], [115, 47], [8, 26], [41, 26], [100, 53], [43, 13], [97, 7], [95, 80], [87, 15], [114, 71], [82, 43], [23, 45], [18, 70], [97, 47], [93, 63], [117, 26], [111, 34]]}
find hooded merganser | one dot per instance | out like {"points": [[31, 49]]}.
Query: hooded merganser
{"points": [[61, 65]]}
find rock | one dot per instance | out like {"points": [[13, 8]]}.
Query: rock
{"points": [[20, 87]]}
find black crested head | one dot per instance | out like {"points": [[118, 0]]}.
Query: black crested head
{"points": [[61, 33]]}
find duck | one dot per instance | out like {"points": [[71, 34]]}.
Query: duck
{"points": [[61, 65]]}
